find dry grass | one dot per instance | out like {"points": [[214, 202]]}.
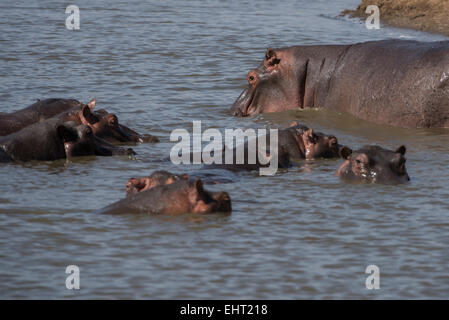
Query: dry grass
{"points": [[425, 15]]}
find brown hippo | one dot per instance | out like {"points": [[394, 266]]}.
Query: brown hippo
{"points": [[296, 142], [181, 196], [38, 111], [396, 82], [135, 185], [105, 125], [373, 164], [53, 139]]}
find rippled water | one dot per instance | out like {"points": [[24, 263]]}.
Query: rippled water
{"points": [[159, 65]]}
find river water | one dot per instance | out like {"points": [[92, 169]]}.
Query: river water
{"points": [[159, 65]]}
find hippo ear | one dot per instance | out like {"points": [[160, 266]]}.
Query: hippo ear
{"points": [[294, 124], [345, 152], [271, 59], [309, 132], [309, 136], [92, 104], [270, 53], [195, 191], [198, 185], [87, 117], [65, 133], [112, 120], [401, 150], [185, 176]]}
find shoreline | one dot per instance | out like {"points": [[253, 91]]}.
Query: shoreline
{"points": [[423, 15]]}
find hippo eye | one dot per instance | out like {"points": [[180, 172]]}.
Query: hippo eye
{"points": [[88, 132], [313, 139], [333, 141]]}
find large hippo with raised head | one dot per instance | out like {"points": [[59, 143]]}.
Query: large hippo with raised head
{"points": [[396, 82]]}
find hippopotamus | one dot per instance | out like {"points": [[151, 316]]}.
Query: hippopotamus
{"points": [[181, 196], [157, 178], [53, 139], [38, 111], [401, 83], [294, 143], [105, 125], [161, 177], [373, 164]]}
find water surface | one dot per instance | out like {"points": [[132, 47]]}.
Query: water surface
{"points": [[159, 65]]}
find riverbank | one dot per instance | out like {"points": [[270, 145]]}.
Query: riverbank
{"points": [[424, 15]]}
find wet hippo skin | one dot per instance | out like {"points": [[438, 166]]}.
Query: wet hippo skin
{"points": [[181, 196], [105, 125], [38, 111], [395, 82], [294, 143], [374, 164], [53, 139], [157, 178]]}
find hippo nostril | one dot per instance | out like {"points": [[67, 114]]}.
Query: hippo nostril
{"points": [[252, 78]]}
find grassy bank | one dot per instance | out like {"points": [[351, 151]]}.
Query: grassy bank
{"points": [[424, 15]]}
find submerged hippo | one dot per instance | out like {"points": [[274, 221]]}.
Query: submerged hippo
{"points": [[38, 111], [294, 143], [181, 196], [105, 125], [374, 164], [397, 82], [53, 140], [157, 178]]}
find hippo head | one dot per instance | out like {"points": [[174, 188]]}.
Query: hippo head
{"points": [[79, 140], [157, 178], [202, 201], [374, 164], [315, 145], [277, 84], [105, 126]]}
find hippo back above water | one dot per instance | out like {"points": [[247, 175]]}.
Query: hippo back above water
{"points": [[396, 82], [179, 197], [54, 139], [36, 112]]}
